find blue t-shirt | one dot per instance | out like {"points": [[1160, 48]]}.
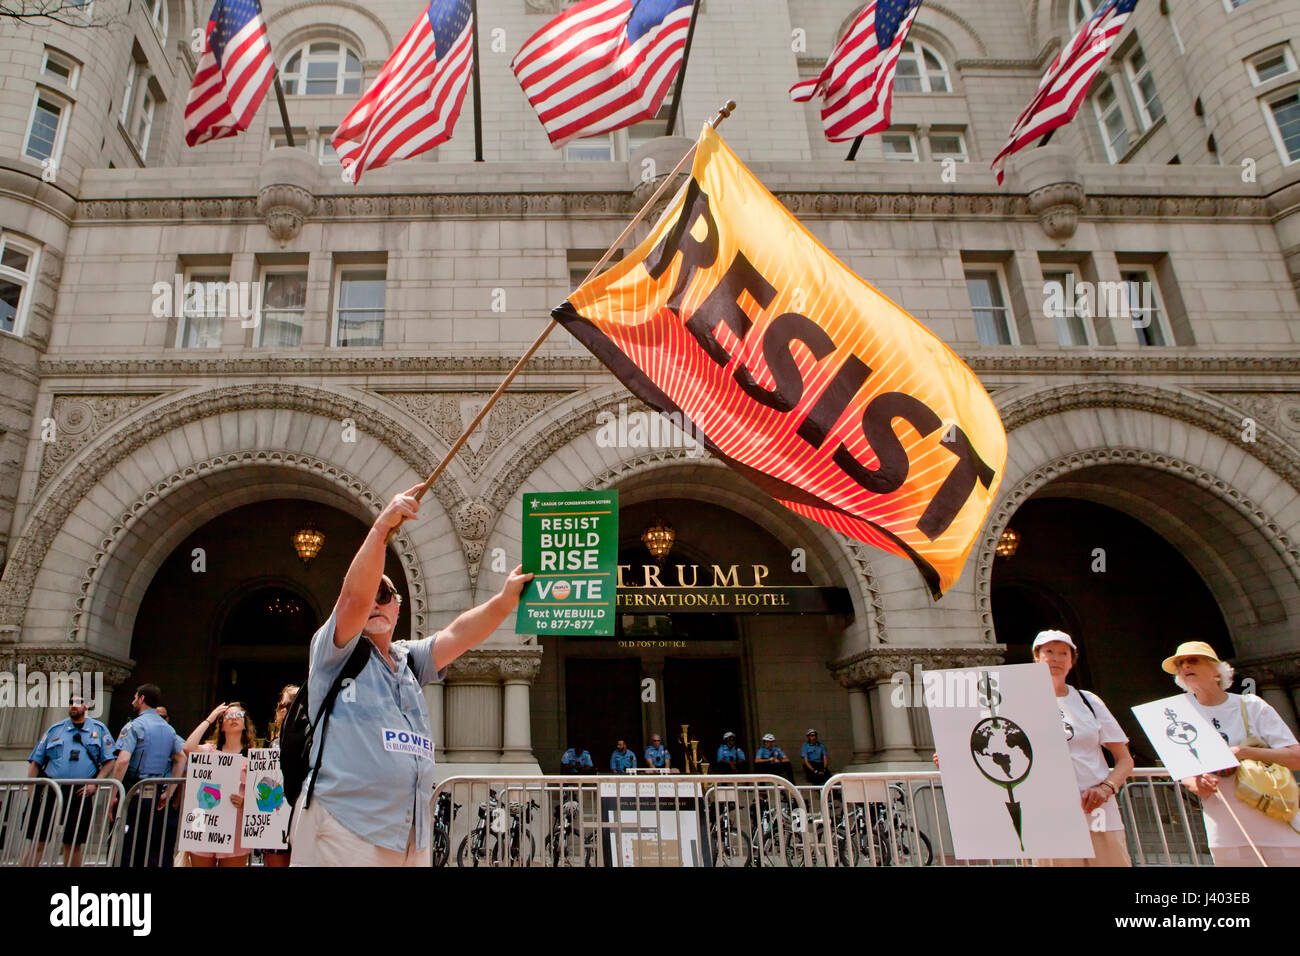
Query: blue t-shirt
{"points": [[815, 753], [620, 762], [726, 754], [582, 761], [767, 753], [656, 756]]}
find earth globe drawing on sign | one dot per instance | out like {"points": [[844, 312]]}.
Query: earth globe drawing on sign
{"points": [[1181, 732], [1003, 754]]}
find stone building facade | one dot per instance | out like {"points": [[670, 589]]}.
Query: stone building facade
{"points": [[128, 425]]}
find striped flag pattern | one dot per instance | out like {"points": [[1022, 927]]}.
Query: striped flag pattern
{"points": [[415, 101], [857, 83], [234, 71], [1066, 82], [603, 65]]}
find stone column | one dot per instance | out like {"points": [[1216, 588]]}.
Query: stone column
{"points": [[435, 700], [487, 715], [883, 677]]}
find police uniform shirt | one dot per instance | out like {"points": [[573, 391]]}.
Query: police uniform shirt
{"points": [[767, 753], [69, 752], [151, 742], [571, 759], [656, 756], [619, 762], [815, 753], [730, 754], [376, 777]]}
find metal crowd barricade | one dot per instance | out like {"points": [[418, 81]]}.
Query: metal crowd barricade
{"points": [[620, 820], [901, 819], [46, 822], [148, 822]]}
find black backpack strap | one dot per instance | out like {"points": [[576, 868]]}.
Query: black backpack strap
{"points": [[1086, 703], [353, 666]]}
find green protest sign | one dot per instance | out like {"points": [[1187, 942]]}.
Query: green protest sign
{"points": [[571, 546]]}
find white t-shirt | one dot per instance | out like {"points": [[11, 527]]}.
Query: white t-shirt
{"points": [[1085, 732], [1267, 725]]}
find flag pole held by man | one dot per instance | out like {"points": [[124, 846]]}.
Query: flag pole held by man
{"points": [[371, 793], [734, 320]]}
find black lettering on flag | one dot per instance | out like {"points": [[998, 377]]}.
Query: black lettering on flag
{"points": [[833, 400], [957, 487], [696, 253], [784, 330], [878, 426], [722, 305]]}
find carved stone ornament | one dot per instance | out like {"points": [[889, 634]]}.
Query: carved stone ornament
{"points": [[285, 208], [871, 667], [493, 665], [1283, 669], [64, 659], [77, 420], [1057, 207]]}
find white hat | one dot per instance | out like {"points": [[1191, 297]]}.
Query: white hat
{"points": [[1046, 637], [769, 736]]}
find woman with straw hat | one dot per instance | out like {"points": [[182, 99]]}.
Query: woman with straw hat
{"points": [[1198, 670]]}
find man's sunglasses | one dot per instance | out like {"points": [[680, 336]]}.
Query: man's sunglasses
{"points": [[384, 594]]}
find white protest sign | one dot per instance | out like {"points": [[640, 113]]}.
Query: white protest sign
{"points": [[265, 825], [1008, 782], [1185, 741], [209, 821]]}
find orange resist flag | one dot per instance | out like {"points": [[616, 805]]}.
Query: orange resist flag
{"points": [[733, 320]]}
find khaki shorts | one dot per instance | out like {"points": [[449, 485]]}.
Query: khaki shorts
{"points": [[1109, 849], [318, 839]]}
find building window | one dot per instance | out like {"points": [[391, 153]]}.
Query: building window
{"points": [[1071, 312], [1080, 11], [989, 304], [1149, 319], [17, 272], [1269, 66], [359, 309], [46, 127], [1143, 86], [1114, 131], [948, 146], [590, 149], [144, 123], [158, 17], [278, 139], [1282, 114], [127, 94], [60, 69], [204, 310], [899, 147], [325, 153], [284, 305], [920, 70], [322, 68]]}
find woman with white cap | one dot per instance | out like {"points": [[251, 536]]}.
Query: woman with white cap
{"points": [[1089, 726], [1198, 670]]}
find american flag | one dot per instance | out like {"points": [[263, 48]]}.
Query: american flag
{"points": [[415, 101], [1066, 81], [602, 65], [857, 83], [234, 71]]}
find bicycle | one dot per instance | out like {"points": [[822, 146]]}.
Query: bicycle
{"points": [[774, 830], [873, 838], [569, 840], [507, 849], [443, 815], [729, 844]]}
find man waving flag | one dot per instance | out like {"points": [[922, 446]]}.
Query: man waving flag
{"points": [[234, 71], [1066, 81], [857, 83], [602, 65], [734, 321], [414, 102]]}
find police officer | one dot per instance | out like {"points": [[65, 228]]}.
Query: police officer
{"points": [[622, 759], [78, 748], [148, 747], [731, 758], [772, 759], [577, 760], [656, 755], [813, 753]]}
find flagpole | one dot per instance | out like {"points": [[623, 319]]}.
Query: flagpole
{"points": [[478, 102], [853, 150], [284, 113], [725, 111], [681, 73], [1043, 141]]}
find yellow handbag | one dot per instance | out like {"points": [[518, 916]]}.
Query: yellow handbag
{"points": [[1268, 787]]}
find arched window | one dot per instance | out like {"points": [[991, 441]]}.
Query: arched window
{"points": [[921, 70], [157, 13], [1081, 10], [322, 68]]}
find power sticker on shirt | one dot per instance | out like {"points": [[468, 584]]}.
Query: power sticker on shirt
{"points": [[408, 742]]}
